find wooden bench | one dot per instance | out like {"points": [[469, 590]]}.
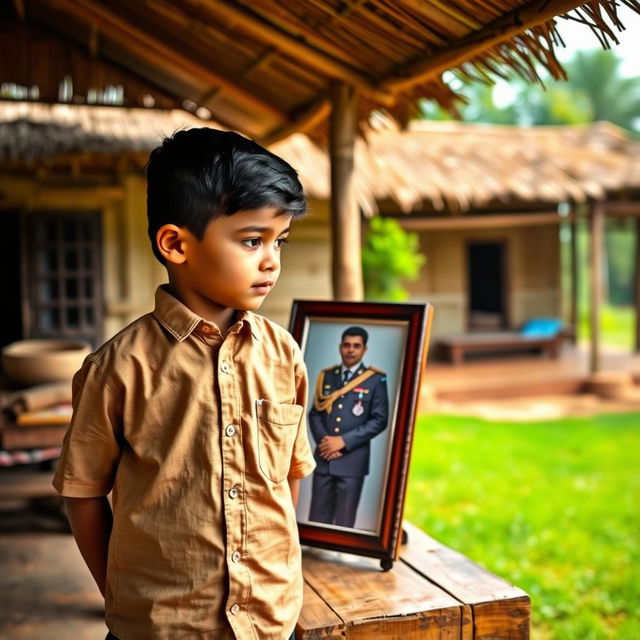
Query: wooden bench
{"points": [[431, 593], [453, 348]]}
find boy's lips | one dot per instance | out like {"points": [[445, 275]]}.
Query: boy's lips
{"points": [[262, 287]]}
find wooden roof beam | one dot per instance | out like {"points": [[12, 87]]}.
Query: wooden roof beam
{"points": [[154, 51], [500, 30], [490, 221], [18, 5], [210, 95], [307, 119], [310, 55], [285, 23]]}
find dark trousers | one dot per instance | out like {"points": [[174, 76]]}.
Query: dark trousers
{"points": [[334, 499]]}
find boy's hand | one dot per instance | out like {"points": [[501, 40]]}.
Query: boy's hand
{"points": [[91, 521], [330, 445]]}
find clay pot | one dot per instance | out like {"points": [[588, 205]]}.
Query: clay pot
{"points": [[31, 362]]}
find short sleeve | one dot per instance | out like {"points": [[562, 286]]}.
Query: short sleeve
{"points": [[302, 462], [91, 449]]}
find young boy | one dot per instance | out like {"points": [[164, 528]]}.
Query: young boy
{"points": [[193, 415]]}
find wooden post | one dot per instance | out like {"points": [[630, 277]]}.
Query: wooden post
{"points": [[345, 215], [575, 283], [636, 282], [596, 220]]}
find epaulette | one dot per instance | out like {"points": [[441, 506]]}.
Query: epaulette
{"points": [[380, 371], [324, 371]]}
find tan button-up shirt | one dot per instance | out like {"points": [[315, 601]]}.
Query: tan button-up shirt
{"points": [[196, 435]]}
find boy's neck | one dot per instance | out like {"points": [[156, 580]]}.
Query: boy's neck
{"points": [[222, 317]]}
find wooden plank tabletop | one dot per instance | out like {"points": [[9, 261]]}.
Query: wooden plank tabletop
{"points": [[499, 609], [371, 603], [432, 593]]}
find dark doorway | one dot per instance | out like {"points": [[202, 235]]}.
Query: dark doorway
{"points": [[11, 278], [486, 277]]}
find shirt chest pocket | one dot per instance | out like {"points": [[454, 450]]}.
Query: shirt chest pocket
{"points": [[277, 430]]}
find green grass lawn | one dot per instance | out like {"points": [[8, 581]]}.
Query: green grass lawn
{"points": [[553, 507], [617, 326]]}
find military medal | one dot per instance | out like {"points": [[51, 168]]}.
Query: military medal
{"points": [[358, 409]]}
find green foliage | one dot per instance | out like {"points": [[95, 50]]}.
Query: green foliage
{"points": [[617, 317], [390, 255], [620, 254], [617, 326], [549, 506], [595, 90]]}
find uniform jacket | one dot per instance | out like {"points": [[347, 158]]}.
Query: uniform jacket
{"points": [[356, 430]]}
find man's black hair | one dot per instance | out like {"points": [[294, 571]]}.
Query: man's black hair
{"points": [[198, 175], [356, 331]]}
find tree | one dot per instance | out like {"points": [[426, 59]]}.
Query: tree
{"points": [[390, 255], [595, 90]]}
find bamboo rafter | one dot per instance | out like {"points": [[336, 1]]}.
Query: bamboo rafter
{"points": [[155, 51], [504, 34], [265, 67]]}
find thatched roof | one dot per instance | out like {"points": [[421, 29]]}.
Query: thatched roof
{"points": [[265, 67], [30, 132], [432, 164], [459, 166]]}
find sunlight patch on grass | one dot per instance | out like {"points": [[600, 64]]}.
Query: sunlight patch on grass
{"points": [[550, 507]]}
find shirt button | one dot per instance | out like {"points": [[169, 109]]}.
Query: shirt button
{"points": [[225, 367], [235, 609], [339, 406], [206, 328], [230, 430], [233, 492], [235, 556], [338, 419], [337, 429]]}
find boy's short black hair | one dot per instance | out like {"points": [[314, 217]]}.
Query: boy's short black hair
{"points": [[356, 331], [198, 175]]}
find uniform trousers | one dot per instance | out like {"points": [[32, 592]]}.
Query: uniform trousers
{"points": [[334, 499]]}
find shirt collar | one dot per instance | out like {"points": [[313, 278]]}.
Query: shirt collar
{"points": [[353, 369], [180, 321]]}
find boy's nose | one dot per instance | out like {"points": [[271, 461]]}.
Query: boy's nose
{"points": [[270, 261]]}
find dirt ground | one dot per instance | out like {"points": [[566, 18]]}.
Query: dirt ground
{"points": [[549, 407], [46, 592]]}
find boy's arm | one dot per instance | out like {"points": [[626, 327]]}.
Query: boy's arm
{"points": [[91, 520], [294, 487]]}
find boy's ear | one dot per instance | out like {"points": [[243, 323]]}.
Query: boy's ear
{"points": [[171, 242]]}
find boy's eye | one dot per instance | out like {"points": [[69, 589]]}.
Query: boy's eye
{"points": [[252, 242], [280, 242]]}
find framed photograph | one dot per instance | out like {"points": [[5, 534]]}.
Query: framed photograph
{"points": [[365, 362]]}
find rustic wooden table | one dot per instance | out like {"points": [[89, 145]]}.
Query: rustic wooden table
{"points": [[432, 593]]}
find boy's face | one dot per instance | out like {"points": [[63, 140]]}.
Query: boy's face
{"points": [[237, 262]]}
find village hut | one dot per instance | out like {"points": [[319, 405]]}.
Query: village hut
{"points": [[482, 193], [270, 71], [488, 202]]}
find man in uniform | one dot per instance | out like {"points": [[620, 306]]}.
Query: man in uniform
{"points": [[350, 408]]}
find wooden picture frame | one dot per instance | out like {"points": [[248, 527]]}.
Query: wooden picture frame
{"points": [[394, 358]]}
